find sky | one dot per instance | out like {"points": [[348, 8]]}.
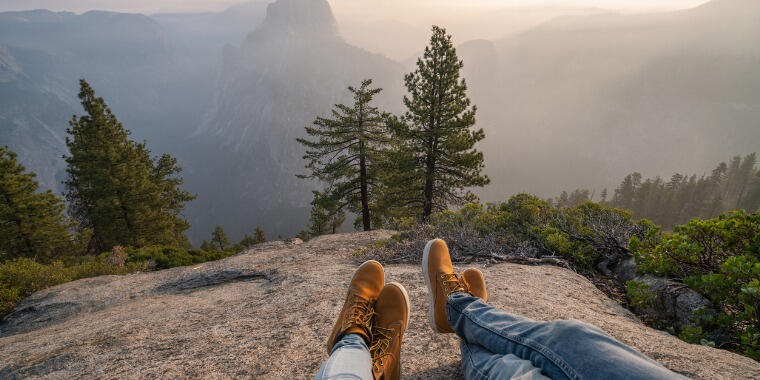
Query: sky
{"points": [[156, 6]]}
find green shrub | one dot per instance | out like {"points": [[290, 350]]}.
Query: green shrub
{"points": [[169, 257], [719, 258], [640, 295], [22, 276], [19, 278]]}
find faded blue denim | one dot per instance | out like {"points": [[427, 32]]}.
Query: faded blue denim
{"points": [[560, 349], [499, 345], [349, 360]]}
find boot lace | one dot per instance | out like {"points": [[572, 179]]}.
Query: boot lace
{"points": [[381, 344], [359, 315], [453, 283]]}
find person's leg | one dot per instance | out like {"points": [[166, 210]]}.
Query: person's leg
{"points": [[561, 349], [351, 335], [350, 360], [479, 363]]}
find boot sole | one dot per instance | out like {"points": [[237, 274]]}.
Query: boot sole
{"points": [[408, 315], [431, 294]]}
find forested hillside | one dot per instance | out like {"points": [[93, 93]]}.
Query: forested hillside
{"points": [[730, 186]]}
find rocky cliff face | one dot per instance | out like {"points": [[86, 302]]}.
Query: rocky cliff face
{"points": [[267, 312], [290, 70], [124, 56]]}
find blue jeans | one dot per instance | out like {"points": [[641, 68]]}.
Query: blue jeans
{"points": [[349, 360], [560, 349], [499, 345]]}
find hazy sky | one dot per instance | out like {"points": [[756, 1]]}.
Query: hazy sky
{"points": [[153, 6]]}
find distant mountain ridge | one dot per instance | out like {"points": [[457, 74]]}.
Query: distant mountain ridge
{"points": [[585, 98], [291, 69], [576, 101]]}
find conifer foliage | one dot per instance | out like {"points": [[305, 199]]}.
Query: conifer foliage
{"points": [[32, 223], [115, 188], [219, 238], [325, 216], [343, 152], [435, 156], [732, 186], [668, 202]]}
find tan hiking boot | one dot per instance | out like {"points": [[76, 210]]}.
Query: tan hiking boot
{"points": [[356, 315], [475, 283], [441, 281], [391, 318]]}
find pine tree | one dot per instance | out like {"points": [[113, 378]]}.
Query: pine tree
{"points": [[258, 234], [206, 246], [173, 198], [219, 238], [344, 149], [115, 188], [251, 240], [563, 200], [247, 241], [325, 216], [303, 235], [32, 223], [745, 176], [435, 157], [752, 203]]}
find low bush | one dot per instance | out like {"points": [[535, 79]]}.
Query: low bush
{"points": [[163, 257], [21, 277], [719, 258], [522, 228]]}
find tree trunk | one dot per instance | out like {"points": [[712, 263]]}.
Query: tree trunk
{"points": [[363, 184], [428, 205]]}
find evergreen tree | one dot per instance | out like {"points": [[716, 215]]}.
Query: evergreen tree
{"points": [[32, 223], [115, 188], [247, 241], [745, 176], [206, 246], [259, 236], [344, 149], [604, 196], [752, 203], [325, 217], [731, 186], [435, 157], [173, 198], [219, 238], [563, 200], [303, 235], [251, 240]]}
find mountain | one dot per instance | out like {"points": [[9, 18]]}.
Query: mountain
{"points": [[581, 99], [290, 70], [124, 56], [33, 115], [229, 319], [576, 101]]}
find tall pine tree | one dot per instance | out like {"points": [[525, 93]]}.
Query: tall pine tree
{"points": [[32, 223], [115, 188], [343, 151], [435, 159]]}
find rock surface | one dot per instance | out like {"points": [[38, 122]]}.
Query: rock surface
{"points": [[266, 314]]}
